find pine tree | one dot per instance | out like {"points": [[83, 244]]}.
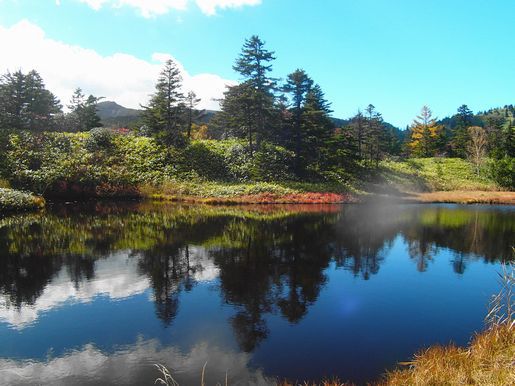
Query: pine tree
{"points": [[238, 116], [25, 103], [375, 135], [425, 134], [357, 125], [298, 85], [460, 135], [164, 113], [254, 65], [83, 111]]}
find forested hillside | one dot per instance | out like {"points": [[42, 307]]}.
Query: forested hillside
{"points": [[267, 130]]}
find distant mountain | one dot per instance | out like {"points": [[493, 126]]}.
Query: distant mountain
{"points": [[109, 109], [114, 115]]}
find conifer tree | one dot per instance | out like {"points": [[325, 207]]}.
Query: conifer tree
{"points": [[25, 103], [317, 126], [460, 135], [375, 135], [425, 134], [254, 65], [83, 111], [238, 115], [357, 125], [298, 85], [164, 113]]}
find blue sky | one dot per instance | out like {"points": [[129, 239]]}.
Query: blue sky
{"points": [[397, 54]]}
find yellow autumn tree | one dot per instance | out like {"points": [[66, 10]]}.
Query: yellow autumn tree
{"points": [[425, 134]]}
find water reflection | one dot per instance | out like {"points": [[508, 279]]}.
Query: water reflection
{"points": [[133, 365], [262, 262]]}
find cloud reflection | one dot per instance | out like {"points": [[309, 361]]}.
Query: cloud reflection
{"points": [[134, 365]]}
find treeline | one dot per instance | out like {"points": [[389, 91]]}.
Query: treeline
{"points": [[26, 104], [290, 119], [293, 116]]}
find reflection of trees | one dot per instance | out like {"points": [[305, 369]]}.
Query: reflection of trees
{"points": [[170, 272], [421, 251], [269, 262], [472, 233], [364, 235], [272, 265]]}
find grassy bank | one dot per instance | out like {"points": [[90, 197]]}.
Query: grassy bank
{"points": [[488, 360], [435, 174], [248, 193], [15, 201], [102, 164]]}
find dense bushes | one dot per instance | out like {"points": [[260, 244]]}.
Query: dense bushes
{"points": [[13, 200], [100, 138], [75, 164], [103, 163], [230, 161], [502, 171]]}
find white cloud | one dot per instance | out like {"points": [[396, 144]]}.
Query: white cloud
{"points": [[151, 8], [120, 77], [209, 6]]}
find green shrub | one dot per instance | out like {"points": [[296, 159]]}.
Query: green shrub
{"points": [[502, 171], [273, 163], [239, 163], [14, 200], [206, 160], [100, 138]]}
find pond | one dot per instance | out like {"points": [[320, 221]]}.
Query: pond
{"points": [[97, 293]]}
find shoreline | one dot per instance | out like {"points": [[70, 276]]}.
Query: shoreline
{"points": [[451, 197], [305, 198]]}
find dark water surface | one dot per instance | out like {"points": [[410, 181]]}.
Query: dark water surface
{"points": [[95, 294]]}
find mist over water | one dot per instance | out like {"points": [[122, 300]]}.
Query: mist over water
{"points": [[96, 293]]}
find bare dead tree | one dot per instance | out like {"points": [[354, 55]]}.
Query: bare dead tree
{"points": [[477, 146]]}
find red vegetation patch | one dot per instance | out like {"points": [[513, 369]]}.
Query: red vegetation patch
{"points": [[270, 198]]}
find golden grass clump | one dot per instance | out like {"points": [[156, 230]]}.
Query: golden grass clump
{"points": [[488, 360]]}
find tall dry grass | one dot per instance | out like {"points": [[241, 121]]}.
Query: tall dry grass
{"points": [[488, 360]]}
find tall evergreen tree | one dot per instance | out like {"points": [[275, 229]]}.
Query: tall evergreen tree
{"points": [[254, 65], [298, 85], [460, 135], [25, 103], [237, 116], [164, 114], [83, 111], [317, 127], [375, 135], [357, 125]]}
